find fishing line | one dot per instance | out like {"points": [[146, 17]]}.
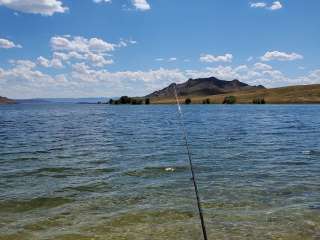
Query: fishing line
{"points": [[185, 136]]}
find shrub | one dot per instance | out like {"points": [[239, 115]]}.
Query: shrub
{"points": [[229, 100], [258, 101], [125, 100], [136, 101], [206, 101], [187, 101], [147, 101]]}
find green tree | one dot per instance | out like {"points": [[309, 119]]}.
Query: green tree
{"points": [[230, 100], [125, 100], [187, 101], [136, 101], [206, 101], [259, 100]]}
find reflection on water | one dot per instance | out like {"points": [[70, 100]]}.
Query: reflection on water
{"points": [[77, 172]]}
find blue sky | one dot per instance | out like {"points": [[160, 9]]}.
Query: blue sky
{"points": [[87, 48]]}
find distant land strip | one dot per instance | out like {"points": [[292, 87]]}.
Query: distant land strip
{"points": [[302, 94], [4, 100]]}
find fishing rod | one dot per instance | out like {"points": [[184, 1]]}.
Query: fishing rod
{"points": [[185, 135]]}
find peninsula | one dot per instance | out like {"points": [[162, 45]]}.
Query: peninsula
{"points": [[4, 100], [213, 90]]}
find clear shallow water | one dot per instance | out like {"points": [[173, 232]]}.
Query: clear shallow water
{"points": [[77, 172]]}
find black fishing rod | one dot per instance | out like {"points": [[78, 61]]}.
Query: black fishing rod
{"points": [[185, 135]]}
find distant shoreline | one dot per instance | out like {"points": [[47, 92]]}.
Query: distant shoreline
{"points": [[302, 94]]}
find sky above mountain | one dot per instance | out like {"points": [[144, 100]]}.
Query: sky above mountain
{"points": [[88, 48]]}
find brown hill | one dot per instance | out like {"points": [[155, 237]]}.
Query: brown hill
{"points": [[4, 100], [284, 95], [203, 87]]}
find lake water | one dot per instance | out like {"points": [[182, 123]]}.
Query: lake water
{"points": [[80, 172]]}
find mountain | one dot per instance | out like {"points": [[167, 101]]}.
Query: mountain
{"points": [[203, 87], [4, 100], [303, 94]]}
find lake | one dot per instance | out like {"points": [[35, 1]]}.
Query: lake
{"points": [[80, 172]]}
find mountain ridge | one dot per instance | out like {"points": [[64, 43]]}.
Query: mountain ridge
{"points": [[203, 87]]}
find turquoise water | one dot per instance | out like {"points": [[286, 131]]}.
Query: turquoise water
{"points": [[79, 172]]}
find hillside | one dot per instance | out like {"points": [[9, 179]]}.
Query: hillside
{"points": [[4, 100], [284, 95], [203, 87]]}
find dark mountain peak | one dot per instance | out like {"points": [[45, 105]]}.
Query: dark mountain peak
{"points": [[202, 87]]}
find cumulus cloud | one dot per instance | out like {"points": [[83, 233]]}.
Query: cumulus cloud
{"points": [[5, 43], [101, 1], [27, 64], [80, 44], [211, 58], [262, 66], [43, 7], [44, 62], [249, 59], [258, 5], [94, 50], [280, 56], [24, 78], [98, 60], [276, 5], [172, 59], [142, 5]]}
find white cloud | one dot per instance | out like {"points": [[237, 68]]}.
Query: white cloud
{"points": [[5, 43], [172, 59], [276, 5], [93, 50], [98, 45], [258, 5], [55, 62], [281, 56], [250, 59], [80, 44], [43, 7], [24, 80], [159, 59], [211, 58], [101, 1], [262, 66], [27, 64], [98, 60], [142, 5], [125, 43], [63, 56]]}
